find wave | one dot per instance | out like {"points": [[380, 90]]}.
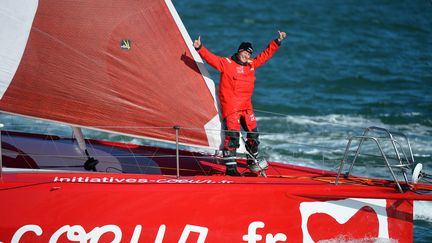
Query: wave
{"points": [[344, 239], [320, 141], [340, 122], [325, 120], [422, 210]]}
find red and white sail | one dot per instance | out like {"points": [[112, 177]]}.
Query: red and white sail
{"points": [[117, 65]]}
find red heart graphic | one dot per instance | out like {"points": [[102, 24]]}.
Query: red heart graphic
{"points": [[362, 225]]}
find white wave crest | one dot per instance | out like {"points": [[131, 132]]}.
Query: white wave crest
{"points": [[343, 239], [326, 120], [332, 131], [423, 210]]}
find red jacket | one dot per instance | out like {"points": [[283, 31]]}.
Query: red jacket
{"points": [[236, 81]]}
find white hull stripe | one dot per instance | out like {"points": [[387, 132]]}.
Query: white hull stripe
{"points": [[16, 19]]}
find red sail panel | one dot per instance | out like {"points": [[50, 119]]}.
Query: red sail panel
{"points": [[115, 65]]}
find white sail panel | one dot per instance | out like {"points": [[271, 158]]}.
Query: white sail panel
{"points": [[16, 18]]}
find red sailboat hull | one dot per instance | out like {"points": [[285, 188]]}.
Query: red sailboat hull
{"points": [[293, 204], [39, 208]]}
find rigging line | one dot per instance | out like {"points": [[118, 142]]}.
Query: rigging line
{"points": [[302, 144], [108, 168], [183, 128], [271, 112], [146, 166], [34, 125], [225, 130], [28, 185], [275, 168], [96, 126], [140, 127], [123, 155], [199, 164], [260, 133], [60, 166], [15, 144], [378, 156], [135, 157], [312, 145], [322, 178], [132, 155], [140, 166]]}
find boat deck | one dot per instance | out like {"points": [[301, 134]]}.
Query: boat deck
{"points": [[33, 158]]}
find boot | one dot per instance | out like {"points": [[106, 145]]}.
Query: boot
{"points": [[251, 158], [231, 170], [230, 162], [252, 162], [256, 164]]}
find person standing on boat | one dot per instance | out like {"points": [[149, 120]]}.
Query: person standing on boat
{"points": [[235, 92]]}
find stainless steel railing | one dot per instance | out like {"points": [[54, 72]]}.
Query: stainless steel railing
{"points": [[405, 161]]}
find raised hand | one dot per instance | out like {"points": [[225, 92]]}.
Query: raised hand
{"points": [[282, 36], [197, 43]]}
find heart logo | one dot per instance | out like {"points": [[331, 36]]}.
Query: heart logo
{"points": [[344, 220], [363, 225]]}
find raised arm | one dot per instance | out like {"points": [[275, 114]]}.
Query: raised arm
{"points": [[270, 50], [197, 43], [282, 36], [212, 59]]}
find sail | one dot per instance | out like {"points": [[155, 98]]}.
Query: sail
{"points": [[123, 66]]}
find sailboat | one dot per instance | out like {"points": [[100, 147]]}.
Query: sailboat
{"points": [[128, 67]]}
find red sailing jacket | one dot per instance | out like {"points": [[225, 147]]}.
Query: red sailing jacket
{"points": [[236, 81]]}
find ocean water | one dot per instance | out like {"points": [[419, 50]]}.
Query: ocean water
{"points": [[345, 65]]}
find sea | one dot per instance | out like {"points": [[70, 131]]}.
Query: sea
{"points": [[345, 65]]}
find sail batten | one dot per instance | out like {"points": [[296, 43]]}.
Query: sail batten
{"points": [[114, 66]]}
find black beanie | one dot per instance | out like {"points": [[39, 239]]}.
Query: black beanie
{"points": [[245, 46]]}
